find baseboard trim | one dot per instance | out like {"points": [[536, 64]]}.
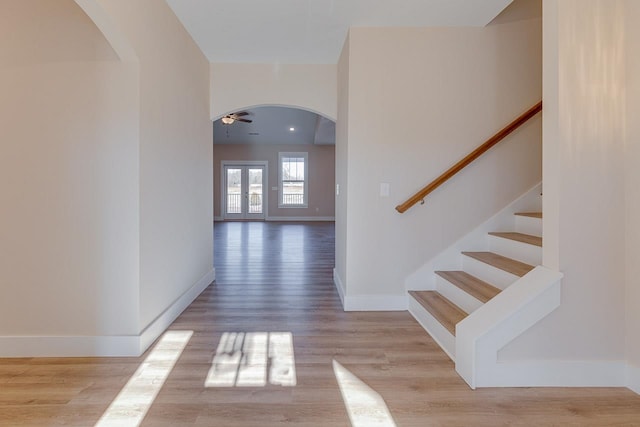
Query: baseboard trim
{"points": [[288, 218], [375, 303], [368, 302], [70, 346], [633, 378], [557, 374], [301, 218], [339, 286], [102, 346], [166, 318]]}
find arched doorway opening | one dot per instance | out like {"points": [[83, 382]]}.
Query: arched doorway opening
{"points": [[274, 163], [274, 201]]}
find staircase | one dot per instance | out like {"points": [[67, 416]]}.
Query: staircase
{"points": [[511, 255], [488, 288]]}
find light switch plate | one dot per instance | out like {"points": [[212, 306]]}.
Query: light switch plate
{"points": [[384, 189]]}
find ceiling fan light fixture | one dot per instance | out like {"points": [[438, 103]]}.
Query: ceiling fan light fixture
{"points": [[227, 120]]}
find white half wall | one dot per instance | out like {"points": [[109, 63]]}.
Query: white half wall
{"points": [[482, 334]]}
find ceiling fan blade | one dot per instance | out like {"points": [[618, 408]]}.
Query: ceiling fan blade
{"points": [[240, 114], [244, 120]]}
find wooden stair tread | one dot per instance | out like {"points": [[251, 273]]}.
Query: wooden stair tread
{"points": [[446, 312], [530, 214], [503, 263], [519, 237], [475, 287]]}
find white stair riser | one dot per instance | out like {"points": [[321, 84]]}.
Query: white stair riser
{"points": [[456, 295], [524, 252], [490, 274], [529, 225], [438, 332]]}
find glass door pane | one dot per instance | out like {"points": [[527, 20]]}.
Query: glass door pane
{"points": [[244, 191], [234, 191], [255, 190]]}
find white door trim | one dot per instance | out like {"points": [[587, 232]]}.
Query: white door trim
{"points": [[223, 190]]}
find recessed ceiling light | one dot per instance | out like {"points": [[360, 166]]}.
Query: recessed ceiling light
{"points": [[291, 129]]}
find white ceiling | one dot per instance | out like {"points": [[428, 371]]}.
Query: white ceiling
{"points": [[307, 32], [311, 31], [271, 126]]}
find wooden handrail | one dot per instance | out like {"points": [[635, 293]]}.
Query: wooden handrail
{"points": [[420, 195]]}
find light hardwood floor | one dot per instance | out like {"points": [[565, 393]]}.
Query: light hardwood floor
{"points": [[274, 277]]}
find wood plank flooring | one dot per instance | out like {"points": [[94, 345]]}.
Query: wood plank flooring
{"points": [[276, 277]]}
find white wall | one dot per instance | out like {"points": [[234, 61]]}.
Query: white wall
{"points": [[632, 168], [418, 101], [176, 151], [106, 175], [550, 131], [321, 158], [584, 183], [308, 86], [68, 176], [342, 160]]}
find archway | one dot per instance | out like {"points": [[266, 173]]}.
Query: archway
{"points": [[267, 136]]}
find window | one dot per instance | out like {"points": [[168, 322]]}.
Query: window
{"points": [[293, 179]]}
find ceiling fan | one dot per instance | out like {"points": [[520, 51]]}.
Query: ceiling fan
{"points": [[235, 117]]}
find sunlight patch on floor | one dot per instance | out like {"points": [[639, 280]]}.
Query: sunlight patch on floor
{"points": [[134, 400], [366, 408], [251, 359]]}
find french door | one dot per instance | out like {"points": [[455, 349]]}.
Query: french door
{"points": [[243, 190]]}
